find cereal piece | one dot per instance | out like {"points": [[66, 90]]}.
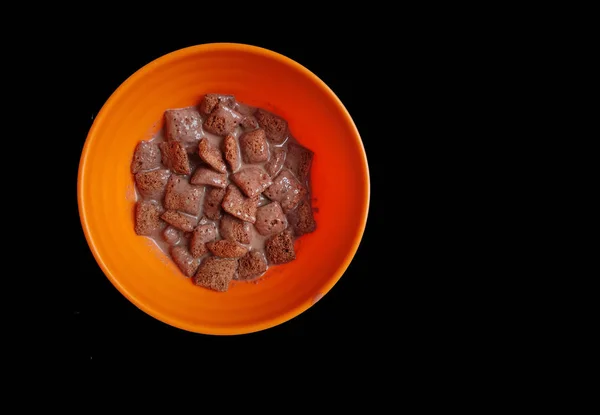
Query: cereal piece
{"points": [[274, 165], [145, 157], [270, 219], [302, 219], [201, 235], [171, 235], [225, 248], [210, 101], [252, 265], [286, 190], [184, 260], [211, 155], [147, 217], [241, 207], [299, 161], [249, 123], [280, 248], [235, 229], [275, 127], [180, 195], [254, 146], [203, 175], [252, 180], [232, 152], [184, 125], [174, 157], [179, 220], [216, 273], [222, 120], [151, 184], [212, 202]]}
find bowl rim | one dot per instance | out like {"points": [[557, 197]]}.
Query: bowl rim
{"points": [[165, 318]]}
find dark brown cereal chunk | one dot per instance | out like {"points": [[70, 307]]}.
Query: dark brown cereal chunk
{"points": [[207, 176], [147, 217], [299, 160], [252, 265], [151, 184], [146, 157], [254, 146], [302, 219], [232, 152], [179, 220], [211, 155], [210, 101], [171, 235], [235, 229], [174, 157], [180, 195], [274, 165], [201, 235], [280, 248], [197, 250], [239, 206], [222, 120], [184, 260], [286, 190], [249, 123], [253, 180], [275, 127], [270, 219], [216, 273], [212, 202], [205, 232], [184, 125], [227, 249]]}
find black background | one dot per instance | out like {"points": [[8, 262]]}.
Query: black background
{"points": [[101, 323]]}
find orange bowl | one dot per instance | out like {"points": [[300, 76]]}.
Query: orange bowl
{"points": [[259, 77]]}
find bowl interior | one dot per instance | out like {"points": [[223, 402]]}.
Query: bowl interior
{"points": [[316, 117]]}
